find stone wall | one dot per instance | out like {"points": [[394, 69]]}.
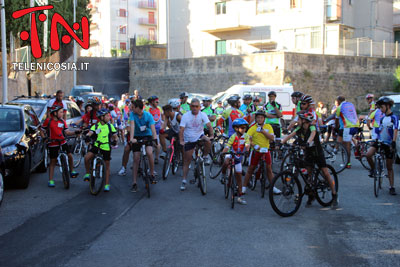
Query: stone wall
{"points": [[153, 52], [16, 86], [322, 76]]}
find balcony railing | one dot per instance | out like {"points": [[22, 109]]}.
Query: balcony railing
{"points": [[147, 21], [147, 4]]}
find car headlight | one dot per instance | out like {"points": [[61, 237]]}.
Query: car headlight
{"points": [[9, 150]]}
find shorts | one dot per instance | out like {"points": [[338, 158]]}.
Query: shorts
{"points": [[256, 156], [238, 162], [347, 133], [191, 145], [148, 142], [389, 152], [315, 156], [106, 154], [277, 130], [53, 150]]}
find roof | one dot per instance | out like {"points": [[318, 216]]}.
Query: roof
{"points": [[12, 105]]}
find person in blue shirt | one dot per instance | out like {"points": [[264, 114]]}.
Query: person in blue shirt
{"points": [[247, 106], [387, 134], [142, 127]]}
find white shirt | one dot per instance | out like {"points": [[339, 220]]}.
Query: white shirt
{"points": [[51, 103], [194, 125]]}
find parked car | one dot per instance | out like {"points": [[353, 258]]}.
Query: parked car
{"points": [[86, 96], [39, 105], [22, 146], [78, 90], [1, 176]]}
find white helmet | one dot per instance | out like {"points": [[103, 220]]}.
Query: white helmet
{"points": [[174, 102]]}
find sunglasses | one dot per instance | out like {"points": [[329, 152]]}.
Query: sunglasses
{"points": [[303, 103], [256, 101], [194, 106], [157, 102]]}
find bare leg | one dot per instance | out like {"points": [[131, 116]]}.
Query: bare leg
{"points": [[149, 151], [136, 160], [107, 171], [186, 162]]}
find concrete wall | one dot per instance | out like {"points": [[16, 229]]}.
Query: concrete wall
{"points": [[149, 52], [17, 86], [324, 77]]}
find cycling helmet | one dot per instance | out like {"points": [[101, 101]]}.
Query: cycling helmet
{"points": [[79, 99], [272, 93], [102, 112], [219, 102], [247, 97], [184, 94], [297, 94], [233, 99], [369, 96], [306, 99], [55, 109], [384, 100], [306, 115], [175, 104], [152, 98], [207, 98], [95, 100], [239, 122], [260, 112]]}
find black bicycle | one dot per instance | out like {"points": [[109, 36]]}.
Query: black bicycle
{"points": [[230, 185], [289, 200], [379, 166], [62, 161], [217, 145], [199, 169], [97, 171]]}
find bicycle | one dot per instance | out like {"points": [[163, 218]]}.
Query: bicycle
{"points": [[360, 146], [199, 169], [62, 160], [217, 161], [79, 148], [172, 158], [260, 173], [336, 155], [97, 171], [230, 185], [379, 167], [289, 200]]}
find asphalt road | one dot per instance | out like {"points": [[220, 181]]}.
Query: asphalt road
{"points": [[40, 226]]}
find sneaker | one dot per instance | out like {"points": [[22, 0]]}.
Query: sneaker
{"points": [[122, 171], [183, 185], [86, 178], [241, 200], [163, 155], [335, 201], [51, 183], [348, 166], [156, 161], [153, 179], [207, 160], [392, 191], [276, 191], [107, 188], [134, 188], [371, 173], [74, 174]]}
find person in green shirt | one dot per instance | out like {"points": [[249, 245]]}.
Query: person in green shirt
{"points": [[296, 101], [219, 109], [209, 111], [274, 113], [106, 136], [185, 107]]}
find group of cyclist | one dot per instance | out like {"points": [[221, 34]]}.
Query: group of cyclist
{"points": [[253, 129]]}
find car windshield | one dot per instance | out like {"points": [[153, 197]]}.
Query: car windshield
{"points": [[37, 106], [10, 120], [396, 109], [79, 91]]}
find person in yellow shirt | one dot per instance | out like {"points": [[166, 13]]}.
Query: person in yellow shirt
{"points": [[261, 134]]}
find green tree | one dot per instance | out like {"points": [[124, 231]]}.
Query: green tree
{"points": [[63, 7], [144, 41], [396, 82]]}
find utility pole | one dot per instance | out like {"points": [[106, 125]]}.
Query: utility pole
{"points": [[74, 44], [323, 26], [4, 51]]}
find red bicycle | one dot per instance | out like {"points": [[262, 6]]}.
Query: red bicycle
{"points": [[173, 158]]}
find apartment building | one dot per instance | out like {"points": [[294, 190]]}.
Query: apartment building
{"points": [[208, 28], [115, 22]]}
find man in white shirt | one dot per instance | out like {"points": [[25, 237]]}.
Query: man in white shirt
{"points": [[191, 131], [58, 101]]}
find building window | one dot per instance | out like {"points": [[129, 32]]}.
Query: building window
{"points": [[220, 47], [152, 34], [315, 37], [122, 13], [151, 18], [122, 46], [350, 2], [265, 6], [295, 3], [220, 8], [397, 36], [122, 29]]}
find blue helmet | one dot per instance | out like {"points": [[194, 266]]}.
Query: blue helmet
{"points": [[239, 122], [102, 112]]}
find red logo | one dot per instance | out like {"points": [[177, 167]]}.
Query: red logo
{"points": [[55, 21]]}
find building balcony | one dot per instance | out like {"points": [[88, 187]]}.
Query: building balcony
{"points": [[334, 11], [147, 37], [147, 21], [226, 23], [147, 4]]}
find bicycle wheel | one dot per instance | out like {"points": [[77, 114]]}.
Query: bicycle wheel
{"points": [[286, 163], [216, 166], [77, 153], [176, 160], [364, 146], [336, 155], [167, 164], [146, 175], [262, 179], [232, 180], [46, 158], [202, 178], [1, 187], [377, 175], [253, 181], [276, 161], [65, 171], [323, 192], [288, 201], [97, 176]]}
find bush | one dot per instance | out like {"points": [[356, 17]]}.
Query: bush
{"points": [[144, 41], [396, 83]]}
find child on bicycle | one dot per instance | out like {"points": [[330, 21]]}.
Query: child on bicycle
{"points": [[387, 134], [57, 129], [239, 142], [314, 154], [106, 136]]}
